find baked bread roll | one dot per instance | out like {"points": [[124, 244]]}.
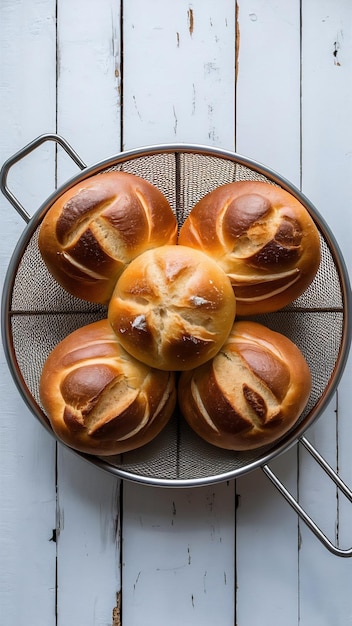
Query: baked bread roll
{"points": [[172, 308], [100, 400], [262, 237], [251, 393], [95, 228]]}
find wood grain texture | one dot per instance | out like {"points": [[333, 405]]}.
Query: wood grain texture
{"points": [[268, 130], [27, 452], [271, 79], [178, 551], [326, 179], [178, 546], [268, 85], [184, 59], [88, 116]]}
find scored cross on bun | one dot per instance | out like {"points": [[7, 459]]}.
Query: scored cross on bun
{"points": [[262, 237], [93, 230], [251, 393], [172, 308]]}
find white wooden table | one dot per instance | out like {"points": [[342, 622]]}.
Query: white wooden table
{"points": [[273, 81]]}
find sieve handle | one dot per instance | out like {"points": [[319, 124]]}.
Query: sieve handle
{"points": [[21, 154], [297, 507]]}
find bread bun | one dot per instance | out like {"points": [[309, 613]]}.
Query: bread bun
{"points": [[251, 393], [95, 228], [100, 400], [262, 237], [172, 308]]}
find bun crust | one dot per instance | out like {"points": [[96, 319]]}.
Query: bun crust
{"points": [[172, 308], [100, 400], [98, 226], [262, 237], [251, 393]]}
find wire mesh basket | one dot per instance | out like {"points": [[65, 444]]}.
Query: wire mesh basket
{"points": [[37, 313]]}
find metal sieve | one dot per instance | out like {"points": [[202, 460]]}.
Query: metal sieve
{"points": [[37, 313]]}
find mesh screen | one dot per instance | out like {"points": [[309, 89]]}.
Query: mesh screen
{"points": [[42, 314]]}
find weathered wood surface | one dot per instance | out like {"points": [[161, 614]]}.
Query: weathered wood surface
{"points": [[273, 81]]}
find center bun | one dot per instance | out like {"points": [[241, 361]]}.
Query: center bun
{"points": [[172, 308]]}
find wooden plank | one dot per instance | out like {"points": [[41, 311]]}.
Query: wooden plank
{"points": [[89, 81], [267, 102], [27, 452], [178, 555], [266, 546], [88, 116], [326, 179], [178, 545], [179, 73], [88, 542], [268, 130]]}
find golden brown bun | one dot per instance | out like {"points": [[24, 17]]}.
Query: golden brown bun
{"points": [[100, 400], [95, 228], [262, 237], [251, 393], [172, 308]]}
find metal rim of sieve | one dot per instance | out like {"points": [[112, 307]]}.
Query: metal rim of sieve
{"points": [[175, 151]]}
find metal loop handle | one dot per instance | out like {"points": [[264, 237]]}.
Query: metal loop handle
{"points": [[297, 507], [20, 155]]}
